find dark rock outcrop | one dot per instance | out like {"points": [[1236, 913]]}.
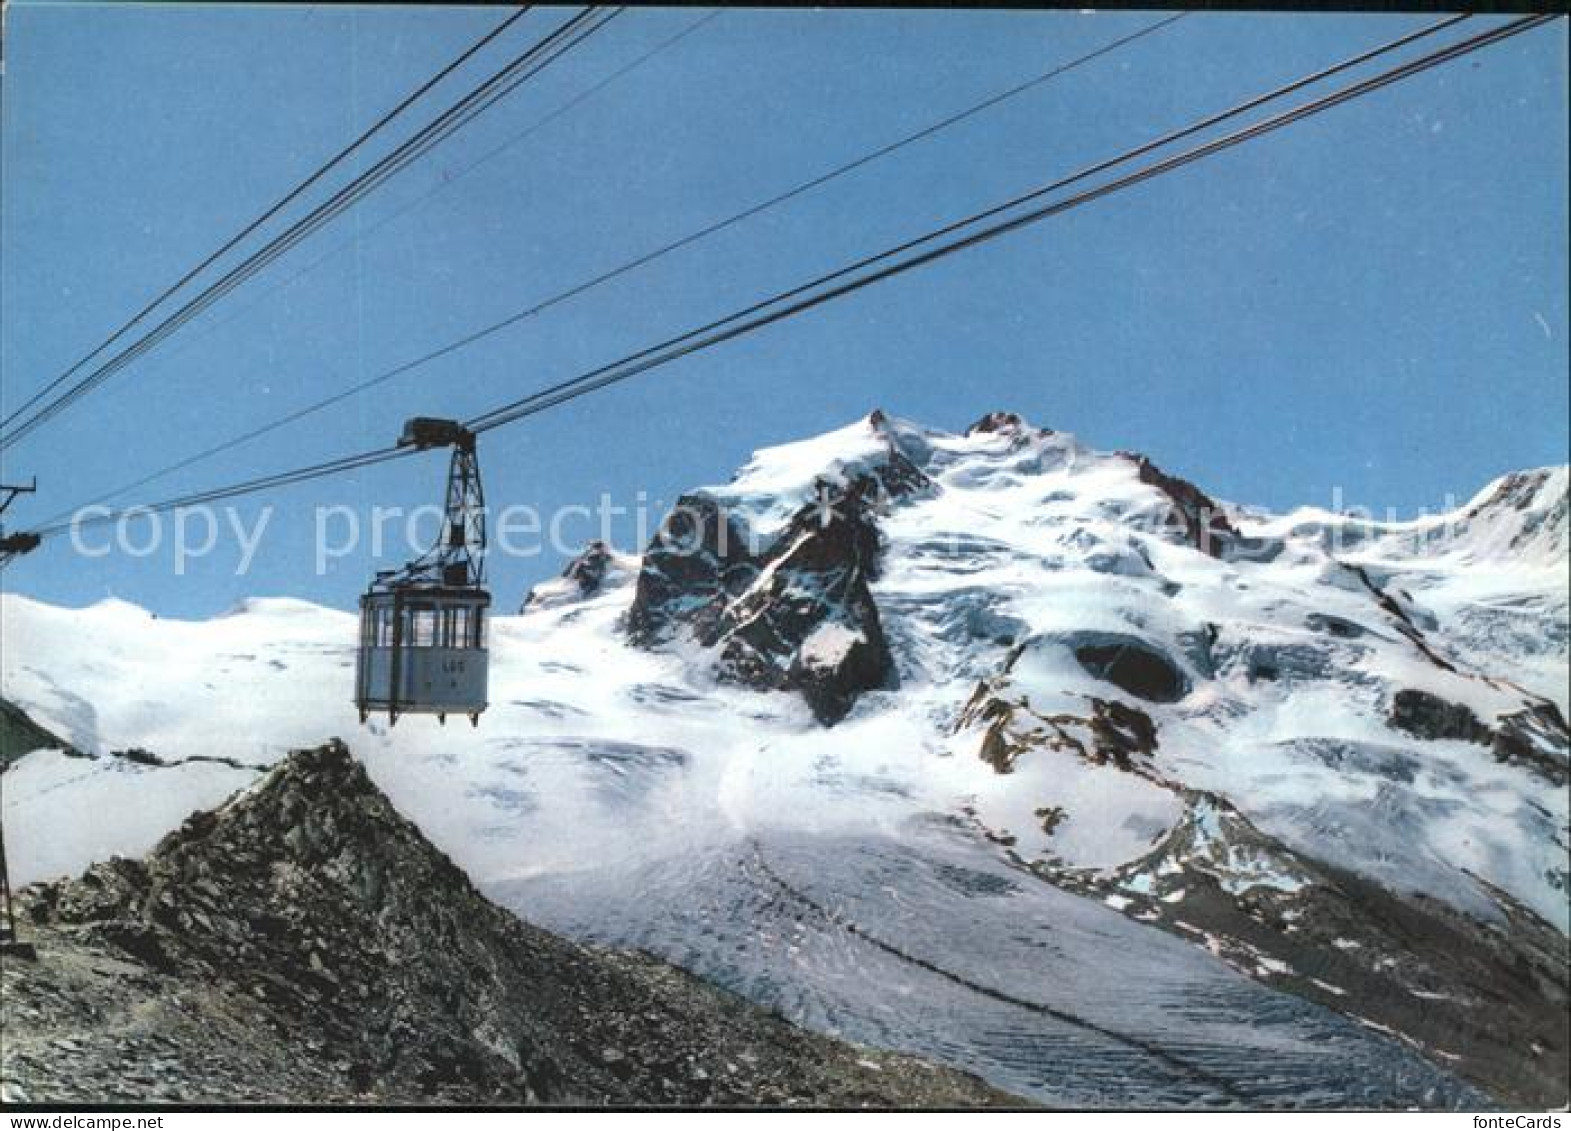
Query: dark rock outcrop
{"points": [[1535, 737], [697, 561], [1476, 995], [1198, 517], [1544, 513], [1401, 618], [141, 756], [1011, 425], [21, 735], [585, 576], [1120, 733], [798, 616], [896, 475], [588, 570], [1425, 715], [998, 424], [1109, 733], [1136, 668], [809, 622], [305, 943]]}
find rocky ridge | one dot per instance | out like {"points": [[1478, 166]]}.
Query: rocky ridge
{"points": [[796, 614], [305, 942], [21, 735]]}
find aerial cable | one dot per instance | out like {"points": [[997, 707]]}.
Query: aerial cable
{"points": [[740, 323], [605, 375], [647, 257], [278, 206], [447, 180], [492, 90], [327, 402], [717, 331], [498, 86], [248, 487]]}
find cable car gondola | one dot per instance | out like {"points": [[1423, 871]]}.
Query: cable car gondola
{"points": [[423, 628]]}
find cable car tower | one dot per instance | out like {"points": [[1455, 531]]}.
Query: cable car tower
{"points": [[422, 628], [14, 545]]}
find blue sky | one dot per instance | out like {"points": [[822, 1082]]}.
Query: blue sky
{"points": [[1373, 302]]}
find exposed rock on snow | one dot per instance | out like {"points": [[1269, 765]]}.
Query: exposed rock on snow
{"points": [[697, 561], [999, 423], [1201, 519], [808, 621], [1535, 737], [1494, 1004], [797, 617], [306, 943], [1491, 574], [142, 757], [1109, 731], [1526, 513], [1135, 667], [587, 575], [1538, 738], [1424, 715]]}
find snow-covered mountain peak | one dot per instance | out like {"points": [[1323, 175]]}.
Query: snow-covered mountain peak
{"points": [[1517, 522], [1092, 590], [777, 481], [1338, 763], [1001, 455], [1521, 517], [596, 568]]}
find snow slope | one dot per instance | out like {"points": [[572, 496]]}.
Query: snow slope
{"points": [[628, 794]]}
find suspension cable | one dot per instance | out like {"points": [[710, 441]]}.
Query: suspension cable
{"points": [[521, 68], [759, 315], [486, 331], [646, 258], [273, 210]]}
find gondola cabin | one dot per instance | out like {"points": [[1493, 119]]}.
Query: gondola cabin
{"points": [[423, 651], [422, 647]]}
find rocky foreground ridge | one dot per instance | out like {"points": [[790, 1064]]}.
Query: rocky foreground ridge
{"points": [[304, 943]]}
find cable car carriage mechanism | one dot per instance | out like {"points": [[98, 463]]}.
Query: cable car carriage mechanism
{"points": [[422, 628]]}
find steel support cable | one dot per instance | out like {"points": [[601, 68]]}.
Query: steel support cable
{"points": [[703, 338], [744, 321], [454, 119], [260, 259], [273, 210], [248, 487], [716, 332], [717, 226], [630, 265], [519, 70], [446, 182]]}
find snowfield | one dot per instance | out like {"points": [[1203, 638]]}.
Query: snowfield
{"points": [[628, 795]]}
